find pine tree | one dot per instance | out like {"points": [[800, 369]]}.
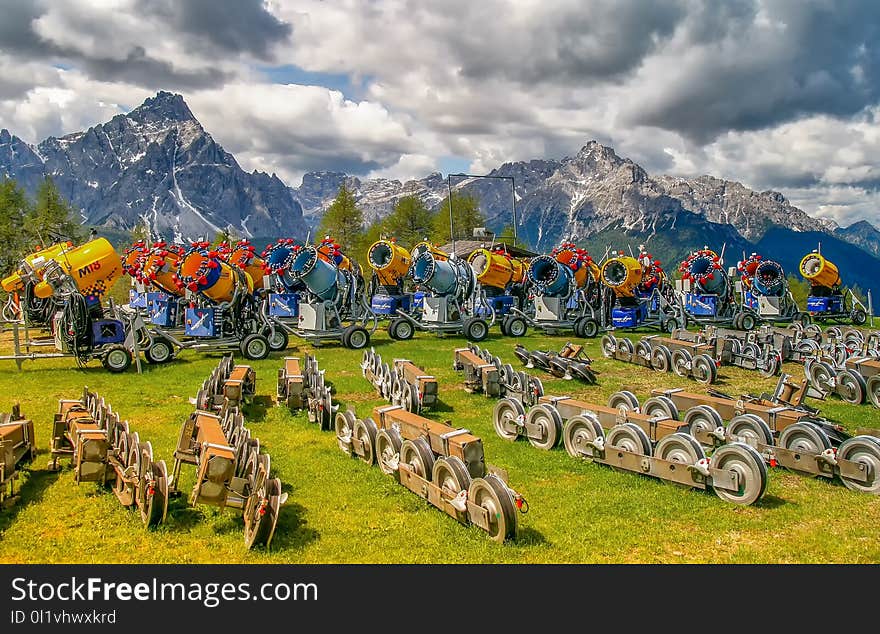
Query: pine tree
{"points": [[410, 222], [14, 208], [52, 219], [466, 216], [343, 221]]}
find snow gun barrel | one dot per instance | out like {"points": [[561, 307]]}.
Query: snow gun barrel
{"points": [[389, 260], [450, 278], [578, 261], [496, 270], [159, 268], [203, 270], [550, 277], [704, 269], [243, 255], [318, 274], [769, 279], [819, 270], [622, 274], [94, 267]]}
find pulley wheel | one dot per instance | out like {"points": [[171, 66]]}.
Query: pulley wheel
{"points": [[506, 412]]}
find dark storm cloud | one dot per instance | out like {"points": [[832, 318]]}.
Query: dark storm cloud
{"points": [[141, 69], [783, 61], [232, 26], [581, 42], [235, 26], [16, 33]]}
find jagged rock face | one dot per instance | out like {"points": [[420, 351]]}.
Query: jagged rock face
{"points": [[728, 202], [158, 164], [580, 196], [862, 234], [18, 160]]}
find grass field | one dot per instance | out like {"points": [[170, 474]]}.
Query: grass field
{"points": [[340, 510]]}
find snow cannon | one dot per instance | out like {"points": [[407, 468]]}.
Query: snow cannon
{"points": [[579, 261], [426, 247], [134, 257], [277, 260], [330, 251], [819, 271], [769, 279], [496, 269], [622, 274], [202, 270], [828, 298], [94, 267], [550, 277], [390, 261], [318, 274], [160, 268], [703, 268], [30, 269], [746, 269], [445, 278], [243, 255]]}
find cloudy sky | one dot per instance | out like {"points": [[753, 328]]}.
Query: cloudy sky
{"points": [[779, 94]]}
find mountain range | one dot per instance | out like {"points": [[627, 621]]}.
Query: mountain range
{"points": [[158, 164]]}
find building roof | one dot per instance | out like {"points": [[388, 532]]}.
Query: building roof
{"points": [[463, 248]]}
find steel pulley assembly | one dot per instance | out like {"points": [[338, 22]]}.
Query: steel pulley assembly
{"points": [[104, 449], [17, 447], [687, 359], [627, 440], [231, 469], [401, 383], [569, 363], [780, 429]]}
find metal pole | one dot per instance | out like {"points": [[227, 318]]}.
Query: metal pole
{"points": [[513, 187], [451, 223]]}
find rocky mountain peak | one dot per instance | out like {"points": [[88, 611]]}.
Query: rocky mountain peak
{"points": [[156, 164], [164, 107]]}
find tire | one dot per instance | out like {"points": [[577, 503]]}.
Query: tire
{"points": [[160, 351], [590, 328], [748, 321], [503, 325], [859, 317], [278, 340], [516, 327], [355, 337], [116, 358], [671, 324], [609, 346], [548, 418], [476, 329], [255, 347], [737, 321], [400, 329]]}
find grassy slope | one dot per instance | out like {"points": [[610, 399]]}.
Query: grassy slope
{"points": [[340, 510]]}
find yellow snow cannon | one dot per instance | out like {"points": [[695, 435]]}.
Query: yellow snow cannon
{"points": [[389, 260]]}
